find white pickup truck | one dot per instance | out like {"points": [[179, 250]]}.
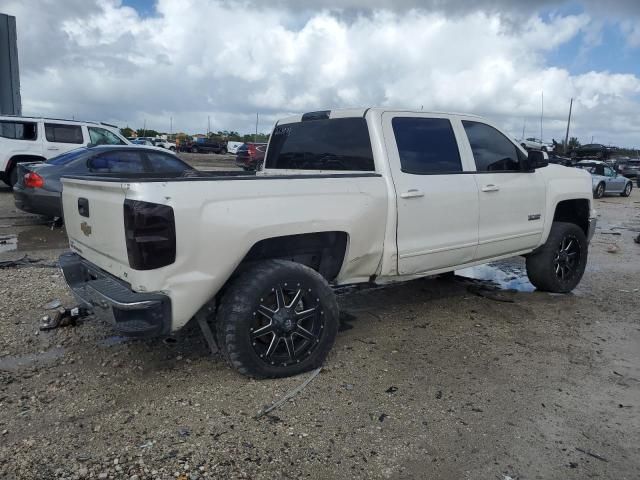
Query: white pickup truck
{"points": [[345, 196]]}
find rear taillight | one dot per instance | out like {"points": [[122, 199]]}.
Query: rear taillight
{"points": [[150, 233], [251, 149], [33, 180]]}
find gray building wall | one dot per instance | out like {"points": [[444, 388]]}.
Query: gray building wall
{"points": [[10, 101]]}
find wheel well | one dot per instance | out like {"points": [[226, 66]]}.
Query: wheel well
{"points": [[573, 211], [23, 158], [322, 251]]}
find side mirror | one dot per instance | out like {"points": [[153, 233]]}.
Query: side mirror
{"points": [[537, 159]]}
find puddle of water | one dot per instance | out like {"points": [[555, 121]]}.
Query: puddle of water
{"points": [[505, 276], [8, 243], [16, 362], [42, 238]]}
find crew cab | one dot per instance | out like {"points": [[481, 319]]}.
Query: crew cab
{"points": [[343, 197], [30, 139]]}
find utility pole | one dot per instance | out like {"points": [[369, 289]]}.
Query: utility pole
{"points": [[171, 126], [144, 128], [524, 124], [208, 125], [566, 137], [255, 138], [541, 115]]}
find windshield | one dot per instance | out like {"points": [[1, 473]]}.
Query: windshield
{"points": [[66, 157]]}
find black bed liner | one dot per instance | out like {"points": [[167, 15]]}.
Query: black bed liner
{"points": [[199, 176]]}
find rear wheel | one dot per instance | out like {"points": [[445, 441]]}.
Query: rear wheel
{"points": [[194, 150], [13, 175], [559, 264], [276, 319], [223, 151], [599, 192], [627, 190]]}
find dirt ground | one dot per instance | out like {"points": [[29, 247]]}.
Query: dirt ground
{"points": [[427, 380]]}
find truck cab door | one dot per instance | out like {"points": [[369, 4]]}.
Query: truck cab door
{"points": [[436, 194], [512, 198]]}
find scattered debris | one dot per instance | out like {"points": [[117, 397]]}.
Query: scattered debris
{"points": [[382, 417], [52, 305], [26, 261], [613, 248], [610, 233], [63, 317], [591, 454], [391, 389], [290, 394], [439, 395], [637, 239], [184, 432]]}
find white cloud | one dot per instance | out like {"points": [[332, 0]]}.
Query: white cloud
{"points": [[226, 60]]}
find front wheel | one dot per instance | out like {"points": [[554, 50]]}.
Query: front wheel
{"points": [[194, 150], [559, 264], [223, 151], [627, 190], [276, 319], [599, 193]]}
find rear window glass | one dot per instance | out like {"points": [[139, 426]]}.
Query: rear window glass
{"points": [[66, 157], [59, 133], [426, 145], [328, 144], [117, 162], [165, 163], [19, 130]]}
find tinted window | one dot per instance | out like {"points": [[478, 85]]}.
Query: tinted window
{"points": [[609, 172], [102, 136], [162, 162], [331, 144], [426, 145], [117, 162], [67, 157], [492, 151], [19, 130], [63, 133]]}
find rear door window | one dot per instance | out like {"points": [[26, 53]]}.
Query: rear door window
{"points": [[117, 162], [19, 130], [60, 133], [426, 145], [327, 144], [102, 136], [492, 151]]}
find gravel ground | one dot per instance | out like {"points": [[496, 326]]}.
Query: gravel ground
{"points": [[426, 380]]}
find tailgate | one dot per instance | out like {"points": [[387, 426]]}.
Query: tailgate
{"points": [[94, 219]]}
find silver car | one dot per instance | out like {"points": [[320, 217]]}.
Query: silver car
{"points": [[605, 179]]}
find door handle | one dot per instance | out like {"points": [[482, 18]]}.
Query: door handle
{"points": [[53, 148], [413, 193], [490, 188]]}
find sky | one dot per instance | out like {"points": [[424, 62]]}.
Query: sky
{"points": [[179, 64]]}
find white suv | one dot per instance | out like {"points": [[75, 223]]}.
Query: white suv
{"points": [[29, 139]]}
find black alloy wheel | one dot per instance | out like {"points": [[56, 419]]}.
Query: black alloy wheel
{"points": [[289, 322], [277, 318], [567, 258]]}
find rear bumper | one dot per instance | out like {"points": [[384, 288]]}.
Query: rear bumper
{"points": [[111, 299], [592, 229], [40, 202]]}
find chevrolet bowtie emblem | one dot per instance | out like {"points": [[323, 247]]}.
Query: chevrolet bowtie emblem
{"points": [[86, 228]]}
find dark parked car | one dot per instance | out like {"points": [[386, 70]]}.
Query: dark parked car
{"points": [[205, 146], [594, 151], [630, 168], [251, 155], [39, 187]]}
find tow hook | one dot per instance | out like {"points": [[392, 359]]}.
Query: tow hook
{"points": [[64, 317]]}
